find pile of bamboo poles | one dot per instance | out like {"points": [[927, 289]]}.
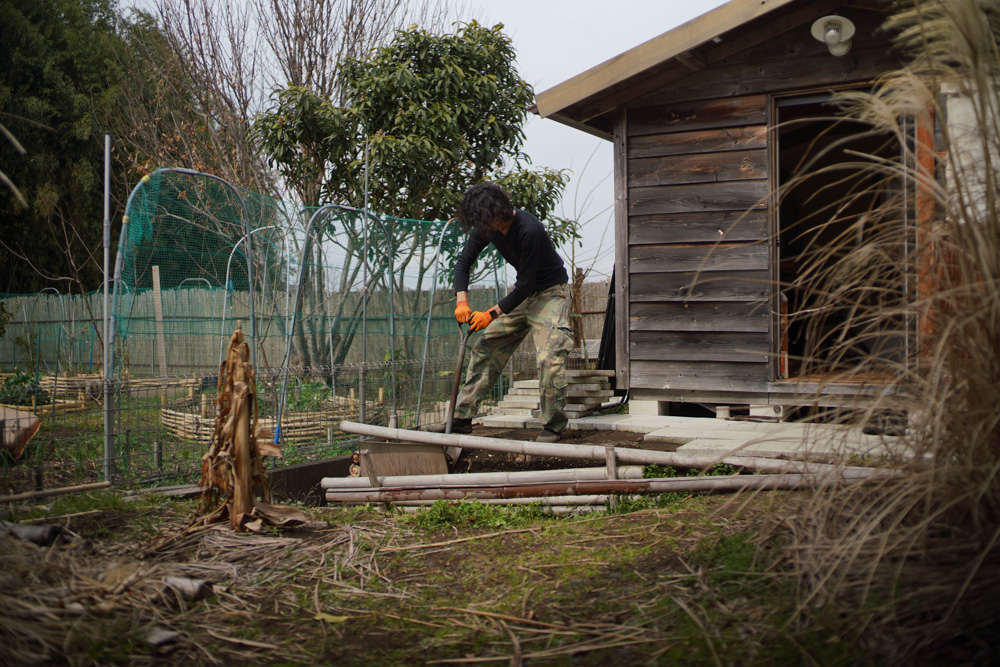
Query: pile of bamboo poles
{"points": [[61, 406], [563, 489], [296, 427], [79, 386]]}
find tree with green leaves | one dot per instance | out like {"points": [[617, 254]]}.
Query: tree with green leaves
{"points": [[429, 115]]}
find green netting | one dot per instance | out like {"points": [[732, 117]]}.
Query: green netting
{"points": [[200, 257]]}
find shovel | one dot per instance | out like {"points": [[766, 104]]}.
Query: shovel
{"points": [[455, 452]]}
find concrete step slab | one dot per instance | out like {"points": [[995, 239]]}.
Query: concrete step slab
{"points": [[499, 410], [509, 421], [519, 402], [583, 372]]}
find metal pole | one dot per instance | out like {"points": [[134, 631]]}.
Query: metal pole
{"points": [[108, 437], [295, 315], [364, 298], [430, 312], [392, 318], [222, 333]]}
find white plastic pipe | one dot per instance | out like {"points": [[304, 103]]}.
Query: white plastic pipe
{"points": [[599, 453]]}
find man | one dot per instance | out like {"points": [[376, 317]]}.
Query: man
{"points": [[538, 304]]}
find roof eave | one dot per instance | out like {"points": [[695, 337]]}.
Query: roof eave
{"points": [[647, 55]]}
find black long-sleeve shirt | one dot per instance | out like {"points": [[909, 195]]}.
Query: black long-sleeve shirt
{"points": [[528, 248]]}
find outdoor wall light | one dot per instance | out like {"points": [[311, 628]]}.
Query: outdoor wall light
{"points": [[835, 32]]}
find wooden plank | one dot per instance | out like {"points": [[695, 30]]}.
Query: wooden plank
{"points": [[747, 137], [687, 198], [698, 168], [161, 343], [698, 115], [704, 286], [691, 258], [698, 375], [699, 227], [393, 458], [731, 316], [621, 248], [699, 346]]}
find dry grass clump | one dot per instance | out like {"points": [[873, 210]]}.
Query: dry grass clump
{"points": [[922, 553]]}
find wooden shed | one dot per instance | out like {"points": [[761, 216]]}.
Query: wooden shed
{"points": [[706, 121]]}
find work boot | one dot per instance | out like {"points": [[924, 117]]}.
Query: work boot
{"points": [[457, 426], [548, 435]]}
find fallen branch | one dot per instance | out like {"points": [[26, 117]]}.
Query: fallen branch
{"points": [[32, 495], [450, 542]]}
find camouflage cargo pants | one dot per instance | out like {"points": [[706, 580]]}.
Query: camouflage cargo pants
{"points": [[545, 315]]}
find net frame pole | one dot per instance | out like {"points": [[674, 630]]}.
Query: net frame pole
{"points": [[306, 243], [430, 313], [108, 433], [362, 380], [119, 260], [225, 299]]}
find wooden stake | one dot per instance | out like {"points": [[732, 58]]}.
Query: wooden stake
{"points": [[612, 473], [161, 340], [366, 463]]}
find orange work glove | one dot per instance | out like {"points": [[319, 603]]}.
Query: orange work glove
{"points": [[482, 320], [463, 313]]}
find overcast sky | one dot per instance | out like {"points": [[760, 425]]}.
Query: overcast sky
{"points": [[556, 40]]}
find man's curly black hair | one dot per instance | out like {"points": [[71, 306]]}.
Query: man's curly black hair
{"points": [[482, 205]]}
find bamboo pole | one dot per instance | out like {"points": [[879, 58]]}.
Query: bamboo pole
{"points": [[721, 484], [554, 509], [467, 479], [599, 453], [537, 500]]}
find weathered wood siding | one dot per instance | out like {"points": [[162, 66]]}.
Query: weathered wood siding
{"points": [[698, 258], [695, 171]]}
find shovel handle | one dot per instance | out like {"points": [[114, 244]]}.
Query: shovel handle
{"points": [[458, 376]]}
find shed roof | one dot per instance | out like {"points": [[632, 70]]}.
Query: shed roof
{"points": [[585, 100]]}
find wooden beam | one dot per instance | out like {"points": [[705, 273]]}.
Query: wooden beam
{"points": [[698, 258], [688, 346], [698, 168], [708, 285], [691, 61], [703, 114], [621, 248], [699, 227], [723, 316], [733, 196], [698, 141]]}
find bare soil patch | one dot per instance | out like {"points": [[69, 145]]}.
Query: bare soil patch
{"points": [[487, 461]]}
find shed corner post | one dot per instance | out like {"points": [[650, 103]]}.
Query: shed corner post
{"points": [[620, 140]]}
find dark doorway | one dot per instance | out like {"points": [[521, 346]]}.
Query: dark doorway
{"points": [[830, 207]]}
